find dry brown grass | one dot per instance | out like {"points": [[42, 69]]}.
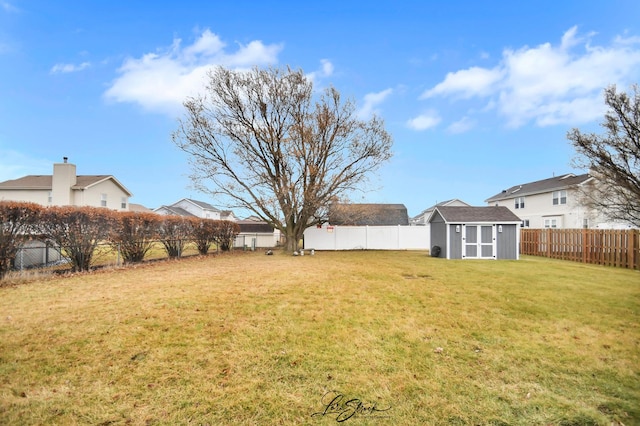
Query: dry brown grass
{"points": [[251, 339]]}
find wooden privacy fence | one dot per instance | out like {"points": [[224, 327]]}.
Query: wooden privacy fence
{"points": [[609, 247]]}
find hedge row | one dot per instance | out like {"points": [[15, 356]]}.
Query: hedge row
{"points": [[76, 231]]}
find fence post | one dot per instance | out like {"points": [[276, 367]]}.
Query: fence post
{"points": [[632, 260]]}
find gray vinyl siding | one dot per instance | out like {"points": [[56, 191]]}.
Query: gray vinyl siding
{"points": [[439, 234], [507, 245], [456, 243]]}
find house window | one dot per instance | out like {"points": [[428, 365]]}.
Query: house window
{"points": [[525, 223], [103, 200], [123, 203], [551, 223], [50, 197], [519, 203], [585, 223], [559, 197]]}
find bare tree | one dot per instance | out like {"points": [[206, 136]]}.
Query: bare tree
{"points": [[613, 158], [264, 141]]}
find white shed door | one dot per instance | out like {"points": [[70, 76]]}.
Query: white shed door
{"points": [[479, 242]]}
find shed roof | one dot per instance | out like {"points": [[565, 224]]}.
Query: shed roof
{"points": [[487, 214], [541, 186]]}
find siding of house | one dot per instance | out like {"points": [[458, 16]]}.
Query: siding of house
{"points": [[29, 195], [538, 207], [92, 196], [197, 210]]}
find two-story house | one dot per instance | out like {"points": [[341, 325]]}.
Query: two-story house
{"points": [[65, 188], [189, 207], [552, 203]]}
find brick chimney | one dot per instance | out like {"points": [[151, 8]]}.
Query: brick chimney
{"points": [[64, 177]]}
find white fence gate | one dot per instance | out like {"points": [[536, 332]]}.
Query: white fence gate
{"points": [[368, 238]]}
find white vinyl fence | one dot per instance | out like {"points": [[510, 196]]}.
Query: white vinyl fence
{"points": [[368, 238], [252, 241]]}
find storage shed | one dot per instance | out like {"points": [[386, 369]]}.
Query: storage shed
{"points": [[475, 233]]}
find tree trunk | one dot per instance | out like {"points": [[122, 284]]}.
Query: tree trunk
{"points": [[293, 237]]}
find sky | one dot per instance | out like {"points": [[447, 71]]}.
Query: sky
{"points": [[478, 96]]}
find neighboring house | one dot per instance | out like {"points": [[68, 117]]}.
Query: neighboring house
{"points": [[551, 203], [189, 207], [253, 231], [65, 188], [474, 233], [422, 219], [368, 214], [256, 233], [139, 208]]}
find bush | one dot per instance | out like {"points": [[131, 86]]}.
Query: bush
{"points": [[174, 233], [77, 231], [135, 234], [17, 221]]}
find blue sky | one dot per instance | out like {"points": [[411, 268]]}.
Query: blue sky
{"points": [[478, 96]]}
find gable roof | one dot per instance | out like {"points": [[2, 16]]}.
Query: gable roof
{"points": [[45, 182], [133, 207], [541, 186], [368, 214], [201, 204], [442, 203], [175, 211], [487, 214]]}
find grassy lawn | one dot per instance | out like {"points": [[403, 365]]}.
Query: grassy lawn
{"points": [[375, 338]]}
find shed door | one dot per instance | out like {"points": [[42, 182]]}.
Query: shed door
{"points": [[479, 242]]}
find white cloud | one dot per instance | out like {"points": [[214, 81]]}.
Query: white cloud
{"points": [[424, 121], [371, 101], [8, 7], [326, 70], [475, 81], [67, 68], [14, 164], [461, 126], [548, 84], [161, 81]]}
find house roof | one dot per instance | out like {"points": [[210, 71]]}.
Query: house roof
{"points": [[35, 182], [486, 214], [176, 211], [201, 204], [368, 214], [541, 186], [442, 203], [251, 227], [133, 207]]}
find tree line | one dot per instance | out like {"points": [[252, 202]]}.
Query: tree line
{"points": [[77, 231]]}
